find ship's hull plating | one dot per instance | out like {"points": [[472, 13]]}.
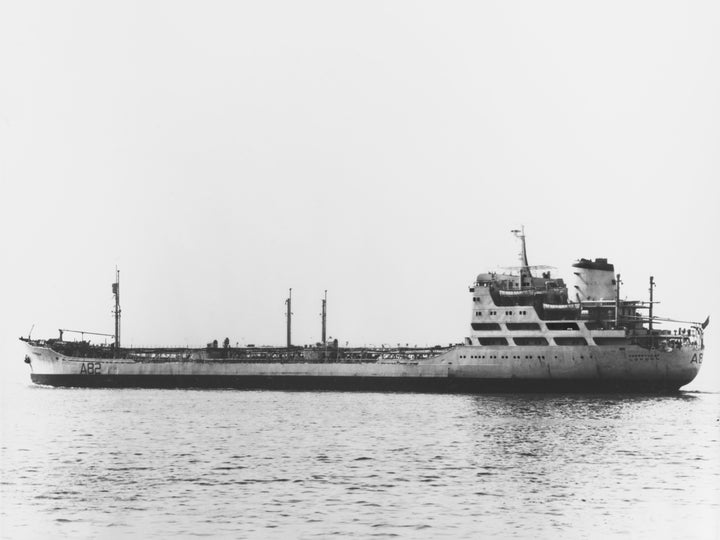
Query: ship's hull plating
{"points": [[461, 369], [361, 384]]}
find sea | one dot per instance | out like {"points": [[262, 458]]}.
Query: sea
{"points": [[97, 463]]}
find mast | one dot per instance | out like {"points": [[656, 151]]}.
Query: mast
{"points": [[116, 312], [324, 317], [524, 266], [650, 314], [288, 314], [523, 253], [617, 301]]}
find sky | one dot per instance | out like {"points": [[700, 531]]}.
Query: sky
{"points": [[219, 153]]}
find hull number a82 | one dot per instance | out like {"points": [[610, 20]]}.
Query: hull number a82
{"points": [[90, 368]]}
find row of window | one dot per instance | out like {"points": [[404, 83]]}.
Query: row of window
{"points": [[540, 341], [562, 326], [515, 356], [505, 356], [491, 313]]}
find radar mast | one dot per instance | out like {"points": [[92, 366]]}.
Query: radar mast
{"points": [[525, 274], [116, 311]]}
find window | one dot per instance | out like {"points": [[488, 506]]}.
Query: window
{"points": [[523, 326], [485, 326], [609, 341], [530, 341], [562, 326], [595, 325], [493, 341], [570, 341]]}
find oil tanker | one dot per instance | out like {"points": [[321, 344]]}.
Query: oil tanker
{"points": [[528, 333]]}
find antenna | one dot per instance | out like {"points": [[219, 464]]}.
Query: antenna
{"points": [[30, 332], [288, 314], [116, 312], [324, 317], [650, 314], [525, 267], [617, 301]]}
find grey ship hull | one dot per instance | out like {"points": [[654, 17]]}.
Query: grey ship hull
{"points": [[459, 369]]}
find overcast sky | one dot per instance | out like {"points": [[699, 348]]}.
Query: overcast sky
{"points": [[221, 152]]}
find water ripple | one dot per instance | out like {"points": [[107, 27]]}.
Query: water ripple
{"points": [[157, 463]]}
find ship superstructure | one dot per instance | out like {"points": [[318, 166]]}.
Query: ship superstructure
{"points": [[519, 309], [527, 333]]}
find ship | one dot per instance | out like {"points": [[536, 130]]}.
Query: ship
{"points": [[529, 332]]}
